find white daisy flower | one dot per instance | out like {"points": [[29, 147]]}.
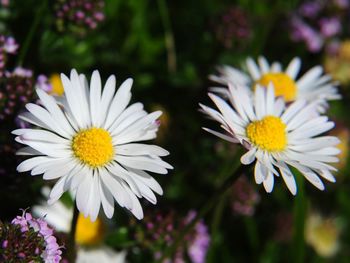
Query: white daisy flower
{"points": [[89, 142], [276, 136], [313, 86]]}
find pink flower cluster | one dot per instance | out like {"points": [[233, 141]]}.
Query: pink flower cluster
{"points": [[317, 23], [8, 46], [162, 229], [82, 15], [52, 252]]}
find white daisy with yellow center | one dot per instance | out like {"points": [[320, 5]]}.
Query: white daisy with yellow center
{"points": [[276, 136], [313, 86], [88, 142]]}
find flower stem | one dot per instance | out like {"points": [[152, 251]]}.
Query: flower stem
{"points": [[299, 221], [30, 35], [72, 250], [226, 185], [168, 35]]}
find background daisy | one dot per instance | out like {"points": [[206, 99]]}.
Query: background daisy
{"points": [[313, 86], [276, 136], [90, 142]]}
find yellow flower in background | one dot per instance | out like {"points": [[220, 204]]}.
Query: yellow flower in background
{"points": [[57, 86], [89, 233], [338, 65], [322, 234]]}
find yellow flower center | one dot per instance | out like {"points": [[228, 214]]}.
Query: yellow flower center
{"points": [[268, 134], [89, 233], [57, 86], [283, 84], [93, 147]]}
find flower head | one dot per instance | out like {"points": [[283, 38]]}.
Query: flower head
{"points": [[276, 136], [15, 91], [8, 46], [313, 86], [79, 16], [28, 239], [160, 230], [89, 141], [233, 27]]}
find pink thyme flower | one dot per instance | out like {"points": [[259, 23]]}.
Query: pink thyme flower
{"points": [[52, 252]]}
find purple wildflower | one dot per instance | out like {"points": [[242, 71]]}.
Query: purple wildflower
{"points": [[310, 9], [79, 16], [199, 245], [330, 26], [161, 229], [244, 197], [8, 46], [317, 22], [43, 83], [15, 91], [233, 26], [29, 239]]}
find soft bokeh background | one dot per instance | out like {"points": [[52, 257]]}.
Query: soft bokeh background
{"points": [[169, 48]]}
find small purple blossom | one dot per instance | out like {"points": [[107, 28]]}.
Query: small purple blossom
{"points": [[43, 83], [27, 239], [303, 32], [79, 16], [52, 252], [161, 229], [10, 45], [199, 245], [317, 22], [330, 26], [310, 9], [15, 91], [233, 26]]}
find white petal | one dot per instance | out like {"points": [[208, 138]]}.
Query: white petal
{"points": [[264, 65], [309, 77], [107, 96], [119, 102], [293, 68], [249, 156], [144, 163], [95, 97], [288, 177], [259, 172], [106, 200], [268, 182], [253, 69], [141, 149], [114, 186]]}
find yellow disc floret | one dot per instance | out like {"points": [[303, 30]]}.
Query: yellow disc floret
{"points": [[89, 233], [93, 147], [283, 84], [268, 134]]}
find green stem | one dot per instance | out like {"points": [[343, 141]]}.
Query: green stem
{"points": [[299, 221], [252, 231], [30, 35], [169, 251], [71, 241], [168, 35]]}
